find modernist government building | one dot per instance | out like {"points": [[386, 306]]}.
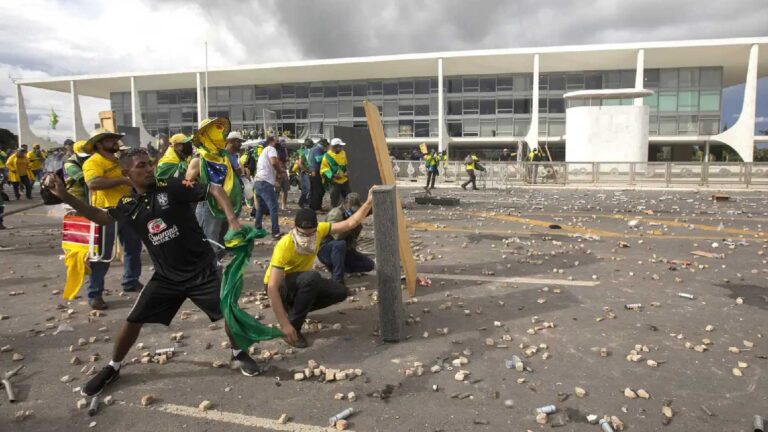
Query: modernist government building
{"points": [[616, 102]]}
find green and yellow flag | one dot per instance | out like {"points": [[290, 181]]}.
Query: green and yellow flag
{"points": [[54, 119]]}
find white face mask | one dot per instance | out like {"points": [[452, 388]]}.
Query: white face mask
{"points": [[304, 245]]}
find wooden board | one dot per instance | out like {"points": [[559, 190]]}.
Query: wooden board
{"points": [[423, 148], [361, 161], [381, 151], [107, 120]]}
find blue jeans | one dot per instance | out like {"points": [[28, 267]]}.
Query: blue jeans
{"points": [[131, 259], [266, 199], [339, 259], [304, 187]]}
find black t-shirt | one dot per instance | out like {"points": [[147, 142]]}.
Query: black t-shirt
{"points": [[166, 223]]}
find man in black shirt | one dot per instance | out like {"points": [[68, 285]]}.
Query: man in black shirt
{"points": [[185, 264]]}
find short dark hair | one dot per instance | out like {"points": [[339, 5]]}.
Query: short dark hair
{"points": [[126, 156], [271, 139]]}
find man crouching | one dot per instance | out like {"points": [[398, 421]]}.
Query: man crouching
{"points": [[295, 289]]}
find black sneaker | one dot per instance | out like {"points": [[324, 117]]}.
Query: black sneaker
{"points": [[135, 288], [101, 380], [248, 366], [97, 303]]}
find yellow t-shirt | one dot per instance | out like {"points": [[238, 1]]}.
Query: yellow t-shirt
{"points": [[284, 255], [97, 166]]}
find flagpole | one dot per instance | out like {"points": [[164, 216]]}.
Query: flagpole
{"points": [[207, 113]]}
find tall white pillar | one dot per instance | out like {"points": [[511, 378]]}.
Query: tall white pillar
{"points": [[532, 138], [26, 136], [79, 131], [136, 119], [640, 75], [440, 107], [741, 136], [201, 114]]}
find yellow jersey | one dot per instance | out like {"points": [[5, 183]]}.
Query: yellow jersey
{"points": [[284, 255], [97, 166]]}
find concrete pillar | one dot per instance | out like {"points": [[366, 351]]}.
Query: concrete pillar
{"points": [[26, 136], [741, 136], [79, 132], [201, 114], [532, 138], [136, 118], [441, 107], [391, 312], [640, 74]]}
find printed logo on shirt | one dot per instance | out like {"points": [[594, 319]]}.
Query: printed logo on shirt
{"points": [[164, 236], [162, 199], [156, 225]]}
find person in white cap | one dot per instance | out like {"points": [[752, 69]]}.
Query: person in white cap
{"points": [[333, 170], [234, 141]]}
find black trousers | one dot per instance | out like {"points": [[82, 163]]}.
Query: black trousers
{"points": [[27, 183], [471, 174], [316, 192], [305, 292], [339, 192], [431, 177]]}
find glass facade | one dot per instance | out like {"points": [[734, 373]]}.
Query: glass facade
{"points": [[686, 102]]}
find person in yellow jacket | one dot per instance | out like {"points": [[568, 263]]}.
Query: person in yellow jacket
{"points": [[333, 169], [432, 162], [19, 173], [36, 160], [470, 164]]}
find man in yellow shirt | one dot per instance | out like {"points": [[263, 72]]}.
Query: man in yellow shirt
{"points": [[36, 159], [294, 289], [107, 186], [333, 169], [19, 173]]}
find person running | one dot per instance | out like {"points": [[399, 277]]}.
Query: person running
{"points": [[107, 186], [74, 179], [175, 160], [338, 252], [294, 289], [19, 173], [316, 188], [185, 264], [36, 159], [265, 181], [470, 164], [333, 169]]}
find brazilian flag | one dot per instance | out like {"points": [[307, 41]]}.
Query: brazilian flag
{"points": [[54, 119]]}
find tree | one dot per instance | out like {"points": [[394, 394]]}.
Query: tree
{"points": [[8, 140]]}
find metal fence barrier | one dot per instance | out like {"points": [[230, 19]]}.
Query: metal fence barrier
{"points": [[655, 174]]}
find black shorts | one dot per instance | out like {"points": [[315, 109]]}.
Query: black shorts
{"points": [[161, 298]]}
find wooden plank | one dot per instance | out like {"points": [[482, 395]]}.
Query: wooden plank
{"points": [[381, 151], [107, 120]]}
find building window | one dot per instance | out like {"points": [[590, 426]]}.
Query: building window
{"points": [[488, 85], [668, 78], [406, 87], [556, 105], [454, 85], [390, 108], [688, 125], [504, 126], [688, 78], [470, 106], [471, 127], [405, 108], [709, 125], [345, 90], [360, 89], [711, 78], [274, 92], [302, 91], [709, 101], [504, 106], [487, 106], [330, 91], [668, 126], [521, 127], [390, 88], [421, 128], [471, 85], [688, 101], [593, 81], [668, 101], [422, 108], [523, 105], [488, 128], [504, 83], [454, 128], [556, 81], [375, 88], [405, 128], [421, 87], [454, 107]]}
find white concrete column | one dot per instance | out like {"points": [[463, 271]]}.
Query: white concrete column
{"points": [[79, 132], [26, 136], [532, 138], [201, 115], [640, 75], [741, 137], [136, 119], [441, 107]]}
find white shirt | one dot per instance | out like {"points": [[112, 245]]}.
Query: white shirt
{"points": [[264, 169]]}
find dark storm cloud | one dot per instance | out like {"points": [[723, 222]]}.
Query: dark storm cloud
{"points": [[342, 28]]}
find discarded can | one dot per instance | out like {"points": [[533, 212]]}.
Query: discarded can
{"points": [[340, 416], [633, 306], [605, 425], [9, 390], [758, 424], [686, 295], [549, 409], [93, 408]]}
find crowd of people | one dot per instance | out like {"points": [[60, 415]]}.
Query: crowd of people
{"points": [[183, 204]]}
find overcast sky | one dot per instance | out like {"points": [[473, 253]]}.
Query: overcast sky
{"points": [[64, 37]]}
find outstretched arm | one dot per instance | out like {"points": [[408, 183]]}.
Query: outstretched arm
{"points": [[54, 184], [276, 277], [223, 200], [356, 219]]}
